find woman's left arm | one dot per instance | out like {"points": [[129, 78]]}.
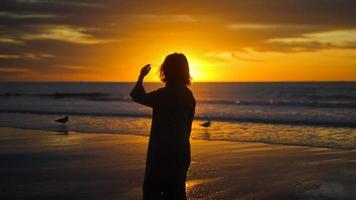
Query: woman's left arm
{"points": [[138, 90], [138, 93]]}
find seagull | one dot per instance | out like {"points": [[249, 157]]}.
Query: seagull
{"points": [[62, 120], [206, 124]]}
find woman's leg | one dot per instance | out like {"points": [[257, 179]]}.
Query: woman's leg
{"points": [[152, 191], [174, 190], [165, 190]]}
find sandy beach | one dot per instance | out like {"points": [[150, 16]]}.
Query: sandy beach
{"points": [[48, 165]]}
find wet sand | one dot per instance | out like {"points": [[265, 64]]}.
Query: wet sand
{"points": [[48, 165]]}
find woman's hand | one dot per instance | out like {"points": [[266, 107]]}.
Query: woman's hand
{"points": [[145, 70], [138, 91]]}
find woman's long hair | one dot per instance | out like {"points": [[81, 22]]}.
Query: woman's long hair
{"points": [[175, 70]]}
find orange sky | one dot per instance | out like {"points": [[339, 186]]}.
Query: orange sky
{"points": [[225, 41]]}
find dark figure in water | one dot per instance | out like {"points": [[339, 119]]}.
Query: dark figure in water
{"points": [[62, 120], [168, 155]]}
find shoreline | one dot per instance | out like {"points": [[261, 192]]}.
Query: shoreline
{"points": [[277, 122], [217, 140], [48, 165]]}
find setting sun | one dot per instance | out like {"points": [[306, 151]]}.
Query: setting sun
{"points": [[199, 69]]}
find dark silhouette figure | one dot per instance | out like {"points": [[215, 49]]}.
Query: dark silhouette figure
{"points": [[168, 155], [206, 124], [62, 120]]}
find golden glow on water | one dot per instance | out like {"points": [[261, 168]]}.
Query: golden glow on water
{"points": [[191, 184]]}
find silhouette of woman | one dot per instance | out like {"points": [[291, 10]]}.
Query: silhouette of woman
{"points": [[168, 155]]}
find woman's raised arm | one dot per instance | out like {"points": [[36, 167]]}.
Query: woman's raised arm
{"points": [[138, 93]]}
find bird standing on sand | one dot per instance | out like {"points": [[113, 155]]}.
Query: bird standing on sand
{"points": [[206, 124], [62, 120]]}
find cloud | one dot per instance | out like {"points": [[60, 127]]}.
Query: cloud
{"points": [[10, 40], [74, 68], [8, 56], [220, 55], [278, 27], [65, 33], [234, 56], [166, 18], [25, 16], [253, 26], [10, 74], [17, 13], [55, 3], [237, 56], [14, 70], [7, 73], [336, 37], [317, 41], [27, 56], [37, 56]]}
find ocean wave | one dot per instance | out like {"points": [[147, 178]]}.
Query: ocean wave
{"points": [[301, 122], [95, 96], [330, 104], [324, 96], [327, 101], [56, 95], [289, 143]]}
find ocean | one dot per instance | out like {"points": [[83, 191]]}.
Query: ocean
{"points": [[319, 114]]}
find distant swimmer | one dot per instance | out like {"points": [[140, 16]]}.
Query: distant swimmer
{"points": [[62, 120], [206, 124]]}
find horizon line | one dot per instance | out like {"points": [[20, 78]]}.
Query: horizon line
{"points": [[292, 81]]}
